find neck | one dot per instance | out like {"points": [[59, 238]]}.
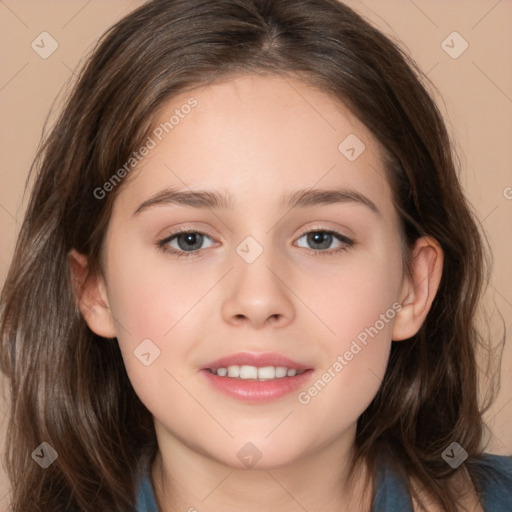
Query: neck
{"points": [[186, 480]]}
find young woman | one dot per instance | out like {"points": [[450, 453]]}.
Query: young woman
{"points": [[247, 278]]}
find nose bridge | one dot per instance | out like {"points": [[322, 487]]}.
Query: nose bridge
{"points": [[257, 293]]}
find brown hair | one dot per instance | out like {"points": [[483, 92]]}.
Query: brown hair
{"points": [[70, 388]]}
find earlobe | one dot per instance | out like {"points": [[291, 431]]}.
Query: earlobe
{"points": [[419, 290], [91, 296]]}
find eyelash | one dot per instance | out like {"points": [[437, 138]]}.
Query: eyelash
{"points": [[348, 243]]}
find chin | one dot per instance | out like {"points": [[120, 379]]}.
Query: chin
{"points": [[252, 456]]}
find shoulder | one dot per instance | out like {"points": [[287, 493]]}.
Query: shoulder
{"points": [[491, 474], [146, 501], [493, 477], [485, 484], [498, 465]]}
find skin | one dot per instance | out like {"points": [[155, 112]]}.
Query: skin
{"points": [[257, 137]]}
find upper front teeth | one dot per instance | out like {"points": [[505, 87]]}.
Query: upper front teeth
{"points": [[252, 372]]}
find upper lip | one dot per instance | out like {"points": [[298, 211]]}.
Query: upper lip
{"points": [[256, 359]]}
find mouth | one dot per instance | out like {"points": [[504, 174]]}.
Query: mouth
{"points": [[248, 372], [256, 377]]}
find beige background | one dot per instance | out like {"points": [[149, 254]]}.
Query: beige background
{"points": [[476, 91]]}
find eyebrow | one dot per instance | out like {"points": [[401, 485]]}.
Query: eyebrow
{"points": [[301, 198]]}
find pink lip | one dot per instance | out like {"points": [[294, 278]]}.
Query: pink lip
{"points": [[254, 391]]}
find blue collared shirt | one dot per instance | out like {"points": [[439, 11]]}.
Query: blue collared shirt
{"points": [[391, 492]]}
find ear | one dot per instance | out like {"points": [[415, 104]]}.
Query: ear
{"points": [[418, 291], [91, 296]]}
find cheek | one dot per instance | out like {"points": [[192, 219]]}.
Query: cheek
{"points": [[148, 296], [339, 395], [352, 296], [357, 305], [355, 360], [152, 307]]}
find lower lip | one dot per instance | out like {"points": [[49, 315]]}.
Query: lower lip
{"points": [[257, 391]]}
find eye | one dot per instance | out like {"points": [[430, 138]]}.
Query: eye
{"points": [[188, 243], [321, 239]]}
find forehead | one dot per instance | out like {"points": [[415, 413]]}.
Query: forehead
{"points": [[257, 136]]}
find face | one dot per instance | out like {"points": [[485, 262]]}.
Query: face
{"points": [[257, 282]]}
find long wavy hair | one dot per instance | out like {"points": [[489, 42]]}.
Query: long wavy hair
{"points": [[69, 387]]}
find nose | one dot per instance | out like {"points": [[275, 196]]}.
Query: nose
{"points": [[259, 294]]}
